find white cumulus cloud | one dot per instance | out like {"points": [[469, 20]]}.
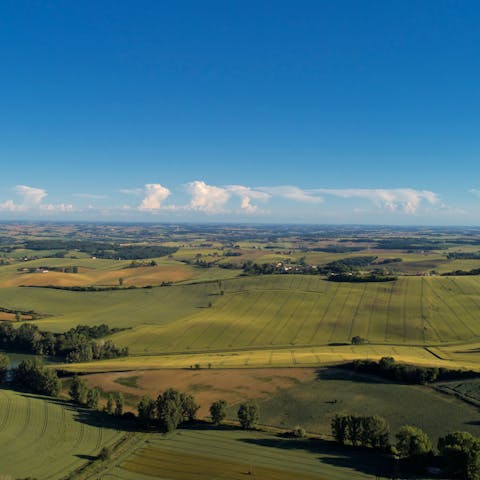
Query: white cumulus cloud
{"points": [[31, 196], [155, 195], [407, 200], [292, 193], [207, 198], [246, 195]]}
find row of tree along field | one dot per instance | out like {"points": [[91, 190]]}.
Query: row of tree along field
{"points": [[79, 344], [458, 453]]}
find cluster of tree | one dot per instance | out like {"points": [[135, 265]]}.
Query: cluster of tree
{"points": [[137, 264], [232, 254], [410, 244], [248, 415], [88, 288], [102, 249], [18, 313], [457, 273], [82, 395], [336, 249], [358, 340], [463, 256], [67, 269], [4, 366], [388, 368], [33, 376], [357, 277], [348, 264], [75, 345], [387, 261], [458, 452], [345, 270], [367, 431], [170, 409], [460, 455]]}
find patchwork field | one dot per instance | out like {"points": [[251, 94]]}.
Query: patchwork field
{"points": [[47, 438], [306, 396], [295, 311], [274, 320], [206, 386]]}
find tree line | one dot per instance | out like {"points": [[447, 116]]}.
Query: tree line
{"points": [[75, 345], [458, 452], [102, 249], [388, 368]]}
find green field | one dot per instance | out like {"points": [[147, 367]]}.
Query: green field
{"points": [[47, 439], [313, 404], [296, 311], [271, 312], [226, 454]]}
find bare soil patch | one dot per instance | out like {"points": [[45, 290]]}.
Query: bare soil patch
{"points": [[207, 386]]}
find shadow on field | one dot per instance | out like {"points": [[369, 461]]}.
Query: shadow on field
{"points": [[94, 418], [361, 460], [339, 373], [89, 458]]}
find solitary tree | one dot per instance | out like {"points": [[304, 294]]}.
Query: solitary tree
{"points": [[119, 402], [218, 411], [248, 415], [109, 406], [104, 454]]}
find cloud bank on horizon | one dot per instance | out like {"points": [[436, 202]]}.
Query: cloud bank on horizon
{"points": [[235, 201]]}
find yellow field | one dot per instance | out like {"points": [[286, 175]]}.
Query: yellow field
{"points": [[295, 357]]}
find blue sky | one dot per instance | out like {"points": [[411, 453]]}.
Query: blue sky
{"points": [[257, 111]]}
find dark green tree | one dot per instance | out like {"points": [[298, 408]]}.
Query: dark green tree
{"points": [[146, 410], [354, 429], [4, 365], [93, 395], [248, 415], [460, 453], [119, 403], [109, 405], [339, 428], [189, 407], [412, 442], [33, 376], [170, 410], [375, 432], [218, 411], [78, 390], [104, 454]]}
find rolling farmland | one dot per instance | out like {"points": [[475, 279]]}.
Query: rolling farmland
{"points": [[297, 311], [226, 454], [273, 320], [46, 437]]}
